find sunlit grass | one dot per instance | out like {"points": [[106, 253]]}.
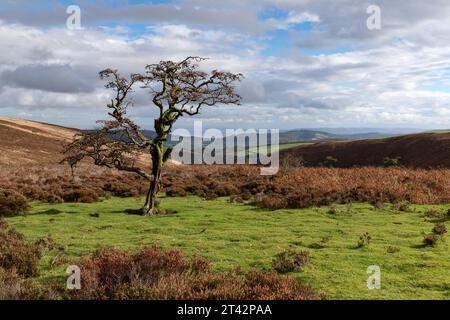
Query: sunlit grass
{"points": [[233, 235]]}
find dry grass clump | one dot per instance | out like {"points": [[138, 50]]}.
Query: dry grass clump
{"points": [[154, 273], [290, 261]]}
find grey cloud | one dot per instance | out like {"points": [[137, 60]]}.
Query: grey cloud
{"points": [[52, 78], [94, 13]]}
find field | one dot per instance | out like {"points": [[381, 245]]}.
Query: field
{"points": [[235, 217], [242, 235]]}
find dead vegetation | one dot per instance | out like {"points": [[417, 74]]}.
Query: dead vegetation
{"points": [[290, 188], [156, 274]]}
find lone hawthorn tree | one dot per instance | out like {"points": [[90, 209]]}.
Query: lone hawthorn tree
{"points": [[176, 89]]}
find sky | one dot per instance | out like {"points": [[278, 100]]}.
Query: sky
{"points": [[307, 63]]}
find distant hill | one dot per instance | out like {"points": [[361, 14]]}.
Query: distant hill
{"points": [[415, 150], [306, 135], [314, 135], [30, 142]]}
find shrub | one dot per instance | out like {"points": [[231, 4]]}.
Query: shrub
{"points": [[12, 203], [440, 229], [301, 187], [153, 273], [122, 189], [292, 161], [330, 161], [378, 205], [53, 199], [246, 196], [17, 254], [364, 240], [333, 210], [433, 214], [290, 261], [176, 192], [392, 162], [15, 287], [236, 199], [81, 194], [431, 240], [402, 206], [272, 202], [392, 249]]}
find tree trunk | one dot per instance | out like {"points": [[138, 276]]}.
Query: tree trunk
{"points": [[150, 207]]}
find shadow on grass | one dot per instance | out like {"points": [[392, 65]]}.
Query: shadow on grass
{"points": [[440, 219], [49, 212], [161, 212]]}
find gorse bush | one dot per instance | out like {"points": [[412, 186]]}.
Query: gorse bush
{"points": [[154, 273], [12, 203], [290, 261]]}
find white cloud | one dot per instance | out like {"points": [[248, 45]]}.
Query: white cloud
{"points": [[293, 18], [396, 76]]}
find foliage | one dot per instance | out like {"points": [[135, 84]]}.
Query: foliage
{"points": [[392, 162], [364, 240], [12, 203], [431, 240], [176, 89], [292, 188], [290, 261], [440, 229], [16, 253], [153, 273]]}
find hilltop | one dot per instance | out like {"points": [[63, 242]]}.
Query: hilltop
{"points": [[30, 142], [420, 150]]}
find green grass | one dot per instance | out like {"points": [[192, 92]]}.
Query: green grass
{"points": [[240, 235]]}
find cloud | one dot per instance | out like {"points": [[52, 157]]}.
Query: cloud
{"points": [[335, 73], [293, 18], [51, 78]]}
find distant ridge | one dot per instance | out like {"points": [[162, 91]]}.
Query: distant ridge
{"points": [[422, 150]]}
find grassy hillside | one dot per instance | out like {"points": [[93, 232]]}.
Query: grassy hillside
{"points": [[415, 150], [241, 235], [30, 142]]}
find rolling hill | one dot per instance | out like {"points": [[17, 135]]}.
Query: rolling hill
{"points": [[29, 142], [420, 150], [315, 135]]}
